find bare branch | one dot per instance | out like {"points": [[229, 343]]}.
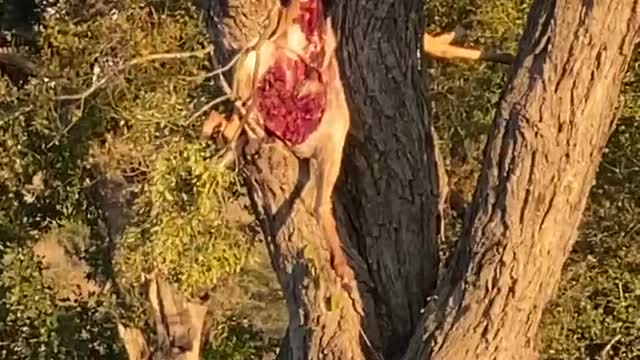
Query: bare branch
{"points": [[208, 106], [603, 354], [136, 61]]}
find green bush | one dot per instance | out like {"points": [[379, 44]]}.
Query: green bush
{"points": [[238, 340], [136, 127], [35, 324]]}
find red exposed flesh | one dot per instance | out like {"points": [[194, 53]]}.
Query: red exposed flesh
{"points": [[310, 19], [310, 16], [287, 115]]}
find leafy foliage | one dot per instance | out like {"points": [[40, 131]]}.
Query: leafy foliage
{"points": [[181, 231], [34, 323], [136, 128], [238, 340]]}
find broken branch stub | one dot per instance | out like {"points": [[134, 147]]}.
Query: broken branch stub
{"points": [[439, 46], [179, 324]]}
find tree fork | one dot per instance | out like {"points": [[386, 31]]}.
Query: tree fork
{"points": [[554, 119], [387, 201]]}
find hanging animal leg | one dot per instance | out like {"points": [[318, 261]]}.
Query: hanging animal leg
{"points": [[328, 159]]}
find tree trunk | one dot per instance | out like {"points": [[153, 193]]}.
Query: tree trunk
{"points": [[555, 116], [394, 187], [387, 200], [554, 119]]}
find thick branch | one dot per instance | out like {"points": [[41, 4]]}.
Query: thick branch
{"points": [[394, 185], [324, 320], [555, 117]]}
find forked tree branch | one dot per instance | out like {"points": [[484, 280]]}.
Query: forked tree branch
{"points": [[555, 116]]}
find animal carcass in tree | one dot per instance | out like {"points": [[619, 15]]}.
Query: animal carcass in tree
{"points": [[289, 88]]}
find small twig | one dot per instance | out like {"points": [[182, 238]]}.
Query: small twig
{"points": [[218, 71], [208, 106], [225, 85], [603, 354], [136, 61], [368, 342], [162, 56]]}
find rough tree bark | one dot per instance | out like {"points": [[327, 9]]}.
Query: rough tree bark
{"points": [[556, 114], [388, 199]]}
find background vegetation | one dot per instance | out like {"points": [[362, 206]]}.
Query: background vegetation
{"points": [[188, 220]]}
